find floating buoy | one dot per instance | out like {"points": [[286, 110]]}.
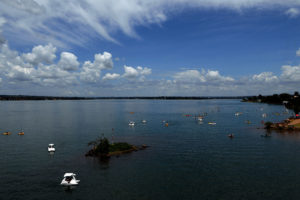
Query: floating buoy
{"points": [[21, 133], [7, 133], [167, 124]]}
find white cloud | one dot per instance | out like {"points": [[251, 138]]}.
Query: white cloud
{"points": [[49, 20], [68, 61], [17, 73], [265, 77], [292, 12], [20, 73], [103, 61], [91, 72], [134, 73], [203, 76], [144, 71], [290, 73], [189, 75], [130, 72], [109, 76], [41, 54]]}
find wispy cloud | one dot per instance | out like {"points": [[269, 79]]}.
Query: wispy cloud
{"points": [[50, 20]]}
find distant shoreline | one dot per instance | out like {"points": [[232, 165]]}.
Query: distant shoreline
{"points": [[41, 98]]}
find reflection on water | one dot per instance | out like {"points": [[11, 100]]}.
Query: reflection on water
{"points": [[188, 159]]}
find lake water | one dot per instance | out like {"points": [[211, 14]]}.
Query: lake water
{"points": [[186, 160]]}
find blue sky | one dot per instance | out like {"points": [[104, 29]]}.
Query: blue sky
{"points": [[149, 48]]}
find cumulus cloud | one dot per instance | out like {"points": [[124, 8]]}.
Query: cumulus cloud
{"points": [[290, 73], [91, 71], [203, 76], [134, 73], [103, 61], [41, 54], [68, 61], [292, 12], [50, 20], [109, 76], [39, 67], [265, 77]]}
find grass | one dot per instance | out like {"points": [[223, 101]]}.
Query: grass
{"points": [[119, 146]]}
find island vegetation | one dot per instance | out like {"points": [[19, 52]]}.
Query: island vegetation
{"points": [[102, 148], [290, 101]]}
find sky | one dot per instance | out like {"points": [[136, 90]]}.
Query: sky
{"points": [[149, 48]]}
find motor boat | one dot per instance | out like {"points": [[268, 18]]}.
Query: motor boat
{"points": [[212, 123], [21, 133], [237, 113], [231, 135], [131, 123], [69, 179], [200, 118], [51, 148], [144, 121], [6, 133]]}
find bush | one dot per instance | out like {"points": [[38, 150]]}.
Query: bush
{"points": [[120, 146]]}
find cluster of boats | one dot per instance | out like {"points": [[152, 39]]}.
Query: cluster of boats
{"points": [[132, 123], [69, 179], [9, 133]]}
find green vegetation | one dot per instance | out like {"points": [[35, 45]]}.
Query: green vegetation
{"points": [[120, 146], [291, 101], [103, 148]]}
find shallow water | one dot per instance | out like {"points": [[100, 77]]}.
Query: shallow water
{"points": [[186, 160]]}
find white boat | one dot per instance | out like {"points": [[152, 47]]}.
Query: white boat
{"points": [[69, 180], [144, 121], [212, 123], [264, 115], [200, 118], [51, 148], [131, 123], [237, 113]]}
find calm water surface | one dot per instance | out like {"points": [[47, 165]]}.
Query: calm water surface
{"points": [[186, 160]]}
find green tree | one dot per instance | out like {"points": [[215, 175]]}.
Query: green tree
{"points": [[103, 146]]}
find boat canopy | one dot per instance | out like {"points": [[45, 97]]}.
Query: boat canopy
{"points": [[69, 174]]}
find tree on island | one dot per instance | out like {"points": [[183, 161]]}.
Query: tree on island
{"points": [[103, 149], [100, 146]]}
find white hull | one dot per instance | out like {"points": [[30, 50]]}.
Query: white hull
{"points": [[73, 182], [51, 149]]}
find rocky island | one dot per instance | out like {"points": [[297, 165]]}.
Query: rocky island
{"points": [[102, 148]]}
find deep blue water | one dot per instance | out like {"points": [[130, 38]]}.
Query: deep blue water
{"points": [[186, 160]]}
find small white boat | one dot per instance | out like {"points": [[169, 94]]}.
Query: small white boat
{"points": [[237, 113], [200, 118], [69, 180], [264, 115], [212, 123], [131, 123], [144, 121], [51, 148]]}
